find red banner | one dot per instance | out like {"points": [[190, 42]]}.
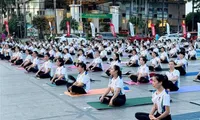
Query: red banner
{"points": [[112, 29], [68, 28], [184, 30], [153, 31], [7, 27]]}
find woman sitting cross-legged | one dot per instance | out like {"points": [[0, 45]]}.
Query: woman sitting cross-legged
{"points": [[59, 76], [116, 87], [28, 59], [173, 76], [192, 53], [161, 101], [115, 61], [163, 56], [17, 60], [45, 70], [67, 57], [181, 63], [197, 78], [96, 64], [155, 62], [81, 85], [34, 66], [134, 60], [142, 75]]}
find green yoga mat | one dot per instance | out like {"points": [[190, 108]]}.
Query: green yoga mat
{"points": [[129, 103]]}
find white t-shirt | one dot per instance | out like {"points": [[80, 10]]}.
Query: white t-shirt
{"points": [[58, 54], [68, 56], [47, 65], [60, 70], [116, 83], [51, 52], [82, 59], [28, 57], [36, 61], [103, 53], [182, 61], [175, 73], [192, 52], [161, 100], [98, 61], [19, 54], [144, 70], [134, 58], [115, 63], [85, 79], [173, 51], [164, 55], [155, 61], [144, 52]]}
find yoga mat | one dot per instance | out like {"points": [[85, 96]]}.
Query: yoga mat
{"points": [[129, 103], [187, 116], [185, 89], [52, 85], [165, 69], [196, 80], [90, 92], [130, 82], [20, 68], [196, 102], [191, 73], [72, 67]]}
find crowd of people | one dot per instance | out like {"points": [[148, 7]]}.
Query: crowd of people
{"points": [[39, 57]]}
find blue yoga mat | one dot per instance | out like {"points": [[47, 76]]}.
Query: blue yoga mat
{"points": [[187, 89], [187, 116], [191, 73], [52, 85]]}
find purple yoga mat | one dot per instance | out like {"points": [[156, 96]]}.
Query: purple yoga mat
{"points": [[187, 89]]}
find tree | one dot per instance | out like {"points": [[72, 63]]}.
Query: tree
{"points": [[140, 24], [40, 22], [189, 20], [73, 24]]}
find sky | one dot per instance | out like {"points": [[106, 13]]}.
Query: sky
{"points": [[188, 7]]}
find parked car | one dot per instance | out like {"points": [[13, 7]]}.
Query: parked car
{"points": [[193, 35], [124, 32], [105, 36], [172, 37], [70, 38], [140, 37]]}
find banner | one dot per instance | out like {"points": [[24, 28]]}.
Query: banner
{"points": [[7, 27], [50, 28], [168, 28], [131, 29], [153, 30], [184, 30], [68, 28], [198, 30], [112, 29], [93, 29]]}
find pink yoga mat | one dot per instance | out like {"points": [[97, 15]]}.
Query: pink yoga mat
{"points": [[20, 68], [129, 82], [72, 67]]}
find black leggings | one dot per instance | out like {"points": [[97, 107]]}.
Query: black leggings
{"points": [[18, 62], [59, 82], [108, 72], [151, 68], [118, 101], [104, 59], [75, 89], [95, 69], [90, 55], [41, 74], [32, 69], [142, 79], [27, 65], [198, 77], [132, 65], [192, 58], [145, 116], [172, 86], [3, 57], [164, 61], [69, 62], [181, 70]]}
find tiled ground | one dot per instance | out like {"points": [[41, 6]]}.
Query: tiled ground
{"points": [[23, 97]]}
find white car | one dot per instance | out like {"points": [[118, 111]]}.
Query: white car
{"points": [[70, 38], [172, 37]]}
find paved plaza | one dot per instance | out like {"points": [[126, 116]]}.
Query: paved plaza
{"points": [[23, 97]]}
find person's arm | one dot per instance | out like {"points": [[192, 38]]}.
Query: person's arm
{"points": [[106, 92], [174, 79], [165, 114], [116, 93], [153, 110]]}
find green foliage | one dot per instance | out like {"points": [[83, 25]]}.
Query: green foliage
{"points": [[189, 20], [73, 24], [140, 24], [41, 23], [13, 24]]}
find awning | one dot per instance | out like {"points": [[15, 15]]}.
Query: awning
{"points": [[99, 15]]}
